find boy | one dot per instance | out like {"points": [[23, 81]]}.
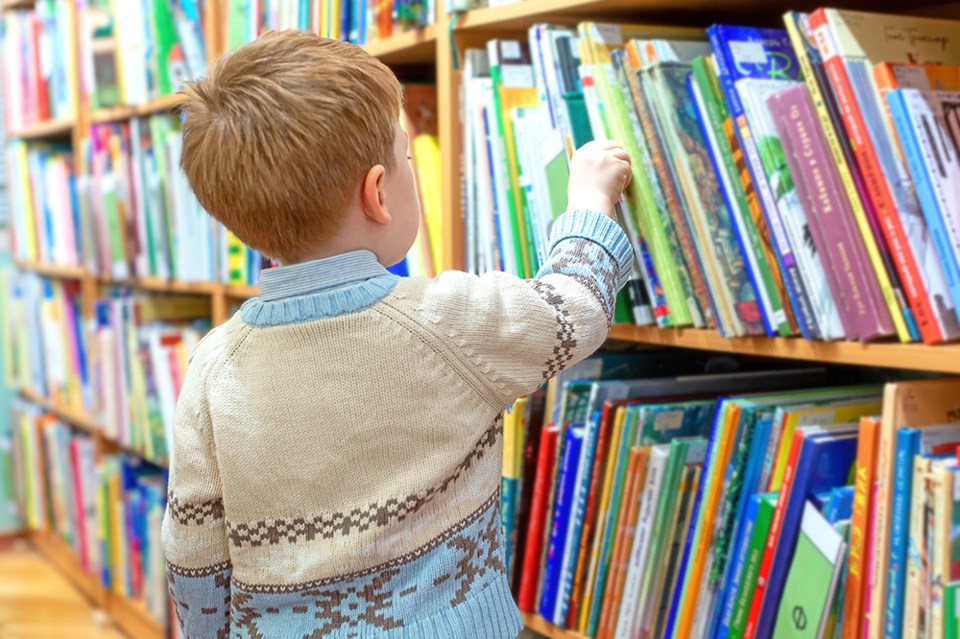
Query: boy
{"points": [[336, 463]]}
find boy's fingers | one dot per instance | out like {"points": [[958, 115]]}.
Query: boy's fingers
{"points": [[620, 154]]}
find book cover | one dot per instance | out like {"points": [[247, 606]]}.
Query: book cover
{"points": [[537, 520], [828, 217], [767, 504], [822, 461], [752, 233], [812, 581], [688, 491]]}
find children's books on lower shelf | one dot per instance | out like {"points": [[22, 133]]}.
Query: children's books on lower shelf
{"points": [[741, 505]]}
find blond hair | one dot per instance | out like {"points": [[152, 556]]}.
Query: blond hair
{"points": [[280, 133]]}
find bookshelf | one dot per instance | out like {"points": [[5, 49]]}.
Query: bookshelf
{"points": [[432, 52]]}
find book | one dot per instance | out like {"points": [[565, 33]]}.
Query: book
{"points": [[862, 309], [766, 504], [813, 578]]}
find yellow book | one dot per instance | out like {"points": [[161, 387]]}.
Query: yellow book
{"points": [[606, 494], [803, 43], [810, 417], [28, 218], [704, 536], [118, 566], [426, 153]]}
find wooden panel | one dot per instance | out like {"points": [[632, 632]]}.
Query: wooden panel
{"points": [[63, 557], [537, 624], [941, 359], [53, 270], [407, 47], [116, 114], [132, 618], [50, 130]]}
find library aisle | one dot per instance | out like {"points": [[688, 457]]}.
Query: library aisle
{"points": [[766, 446], [37, 601]]}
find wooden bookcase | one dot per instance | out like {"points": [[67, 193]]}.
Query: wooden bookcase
{"points": [[433, 52]]}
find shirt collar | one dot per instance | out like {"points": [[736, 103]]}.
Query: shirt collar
{"points": [[319, 275]]}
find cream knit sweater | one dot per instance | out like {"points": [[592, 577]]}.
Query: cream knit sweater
{"points": [[337, 447]]}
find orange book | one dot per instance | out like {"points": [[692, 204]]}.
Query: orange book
{"points": [[869, 442], [636, 475]]}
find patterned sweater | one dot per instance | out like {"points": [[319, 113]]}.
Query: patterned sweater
{"points": [[337, 447]]}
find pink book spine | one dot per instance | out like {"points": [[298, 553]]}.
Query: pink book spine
{"points": [[78, 502], [863, 311]]}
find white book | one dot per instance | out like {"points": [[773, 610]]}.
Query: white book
{"points": [[649, 500]]}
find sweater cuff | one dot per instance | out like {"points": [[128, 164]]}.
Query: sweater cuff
{"points": [[598, 228]]}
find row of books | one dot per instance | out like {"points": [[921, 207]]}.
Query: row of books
{"points": [[139, 348], [38, 54], [108, 511], [785, 181], [134, 214], [137, 51], [356, 21], [732, 505]]}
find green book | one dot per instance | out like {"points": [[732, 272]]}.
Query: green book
{"points": [[758, 254], [237, 23], [812, 579], [951, 610], [684, 452], [748, 580], [166, 58]]}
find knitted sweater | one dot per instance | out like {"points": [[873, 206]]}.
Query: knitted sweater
{"points": [[337, 445]]}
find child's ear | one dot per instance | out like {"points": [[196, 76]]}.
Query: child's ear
{"points": [[373, 199]]}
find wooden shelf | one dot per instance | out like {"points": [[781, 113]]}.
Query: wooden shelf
{"points": [[407, 47], [53, 270], [18, 4], [539, 625], [117, 114], [62, 556], [132, 617], [518, 15], [235, 292], [49, 130], [76, 418], [159, 285], [919, 357]]}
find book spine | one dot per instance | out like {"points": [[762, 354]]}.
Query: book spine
{"points": [[941, 486], [860, 529], [561, 517], [773, 538], [748, 592], [876, 184], [918, 149], [739, 566], [915, 545], [538, 514], [907, 446], [795, 129]]}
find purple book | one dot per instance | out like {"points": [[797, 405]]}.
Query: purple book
{"points": [[862, 309]]}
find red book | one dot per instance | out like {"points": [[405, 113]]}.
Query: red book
{"points": [[530, 574], [773, 537], [81, 519], [856, 587], [590, 512], [875, 183]]}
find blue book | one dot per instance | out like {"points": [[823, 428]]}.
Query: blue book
{"points": [[729, 196], [581, 492], [738, 564], [561, 517], [675, 598], [751, 478], [922, 180], [908, 446], [761, 53], [826, 460], [839, 504]]}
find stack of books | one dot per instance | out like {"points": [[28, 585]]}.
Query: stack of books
{"points": [[135, 52], [40, 70], [721, 505], [785, 181], [356, 21], [140, 347], [109, 512]]}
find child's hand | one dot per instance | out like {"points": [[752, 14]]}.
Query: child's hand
{"points": [[599, 172]]}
